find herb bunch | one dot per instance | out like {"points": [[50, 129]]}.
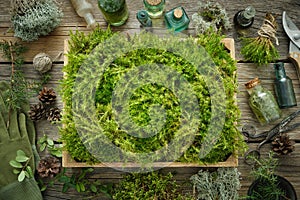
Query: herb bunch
{"points": [[261, 50], [149, 186]]}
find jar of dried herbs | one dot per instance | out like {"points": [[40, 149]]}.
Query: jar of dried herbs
{"points": [[262, 102], [115, 12]]}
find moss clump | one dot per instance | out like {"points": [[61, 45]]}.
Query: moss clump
{"points": [[151, 94]]}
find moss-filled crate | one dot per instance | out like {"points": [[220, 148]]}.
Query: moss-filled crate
{"points": [[80, 47]]}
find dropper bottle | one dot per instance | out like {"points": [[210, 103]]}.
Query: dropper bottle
{"points": [[245, 18], [84, 9]]}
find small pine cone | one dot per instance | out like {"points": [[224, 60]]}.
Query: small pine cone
{"points": [[37, 112], [54, 115], [283, 145], [48, 167], [47, 96]]}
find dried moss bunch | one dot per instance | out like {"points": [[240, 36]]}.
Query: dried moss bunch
{"points": [[210, 16], [261, 50], [222, 184], [34, 18]]}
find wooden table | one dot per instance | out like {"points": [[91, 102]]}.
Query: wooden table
{"points": [[54, 45]]}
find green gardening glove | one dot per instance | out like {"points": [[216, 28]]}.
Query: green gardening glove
{"points": [[14, 137]]}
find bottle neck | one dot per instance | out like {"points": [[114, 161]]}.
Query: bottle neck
{"points": [[257, 88], [248, 13], [279, 71]]}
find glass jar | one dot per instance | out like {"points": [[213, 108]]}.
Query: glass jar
{"points": [[245, 18], [115, 12], [155, 8], [177, 19], [262, 102]]}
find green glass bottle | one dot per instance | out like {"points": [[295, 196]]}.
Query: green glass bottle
{"points": [[144, 18], [284, 89], [155, 8], [262, 102], [177, 19], [115, 12]]}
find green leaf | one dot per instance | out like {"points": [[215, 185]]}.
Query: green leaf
{"points": [[43, 188], [82, 187], [50, 142], [30, 171], [65, 188], [57, 153], [26, 174], [21, 176], [43, 146], [15, 171], [21, 153], [15, 164], [93, 188], [78, 188], [21, 158]]}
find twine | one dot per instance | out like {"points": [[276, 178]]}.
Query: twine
{"points": [[42, 62], [268, 29]]}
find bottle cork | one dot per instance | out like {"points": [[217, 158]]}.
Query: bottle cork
{"points": [[178, 13], [254, 82], [154, 2]]}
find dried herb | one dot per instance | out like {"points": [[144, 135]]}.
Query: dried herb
{"points": [[210, 16], [261, 50], [222, 184]]}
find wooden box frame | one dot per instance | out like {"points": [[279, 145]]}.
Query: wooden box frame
{"points": [[232, 160]]}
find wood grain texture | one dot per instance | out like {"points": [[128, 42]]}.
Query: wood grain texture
{"points": [[54, 44]]}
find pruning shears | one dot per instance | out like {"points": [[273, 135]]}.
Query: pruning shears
{"points": [[282, 127], [294, 35]]}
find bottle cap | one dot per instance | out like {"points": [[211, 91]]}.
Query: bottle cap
{"points": [[178, 13], [254, 82], [154, 2]]}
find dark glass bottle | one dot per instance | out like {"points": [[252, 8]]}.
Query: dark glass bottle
{"points": [[284, 87], [177, 19], [115, 12], [144, 18], [262, 102], [244, 18]]}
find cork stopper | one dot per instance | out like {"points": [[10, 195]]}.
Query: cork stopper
{"points": [[154, 2], [254, 82], [178, 13]]}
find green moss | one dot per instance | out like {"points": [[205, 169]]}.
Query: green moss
{"points": [[144, 97]]}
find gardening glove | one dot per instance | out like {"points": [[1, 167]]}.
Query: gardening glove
{"points": [[14, 137], [4, 86]]}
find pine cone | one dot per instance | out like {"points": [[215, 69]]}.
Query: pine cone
{"points": [[53, 115], [47, 96], [37, 112], [48, 167], [283, 145]]}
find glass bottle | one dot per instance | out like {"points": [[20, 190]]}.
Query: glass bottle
{"points": [[155, 8], [245, 18], [115, 12], [84, 9], [262, 102], [144, 18], [177, 19], [284, 87]]}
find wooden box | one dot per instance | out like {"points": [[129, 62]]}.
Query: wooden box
{"points": [[232, 160]]}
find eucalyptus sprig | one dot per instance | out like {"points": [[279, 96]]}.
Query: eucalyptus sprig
{"points": [[261, 49], [21, 166], [48, 143]]}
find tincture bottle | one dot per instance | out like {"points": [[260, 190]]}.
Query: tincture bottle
{"points": [[84, 9], [244, 18], [177, 19], [144, 18], [262, 102], [284, 89], [115, 12], [155, 8]]}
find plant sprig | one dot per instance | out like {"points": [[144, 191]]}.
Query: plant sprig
{"points": [[21, 166], [47, 143]]}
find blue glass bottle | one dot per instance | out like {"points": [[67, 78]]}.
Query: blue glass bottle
{"points": [[177, 19], [144, 18]]}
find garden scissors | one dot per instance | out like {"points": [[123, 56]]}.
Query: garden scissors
{"points": [[269, 135], [294, 35]]}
